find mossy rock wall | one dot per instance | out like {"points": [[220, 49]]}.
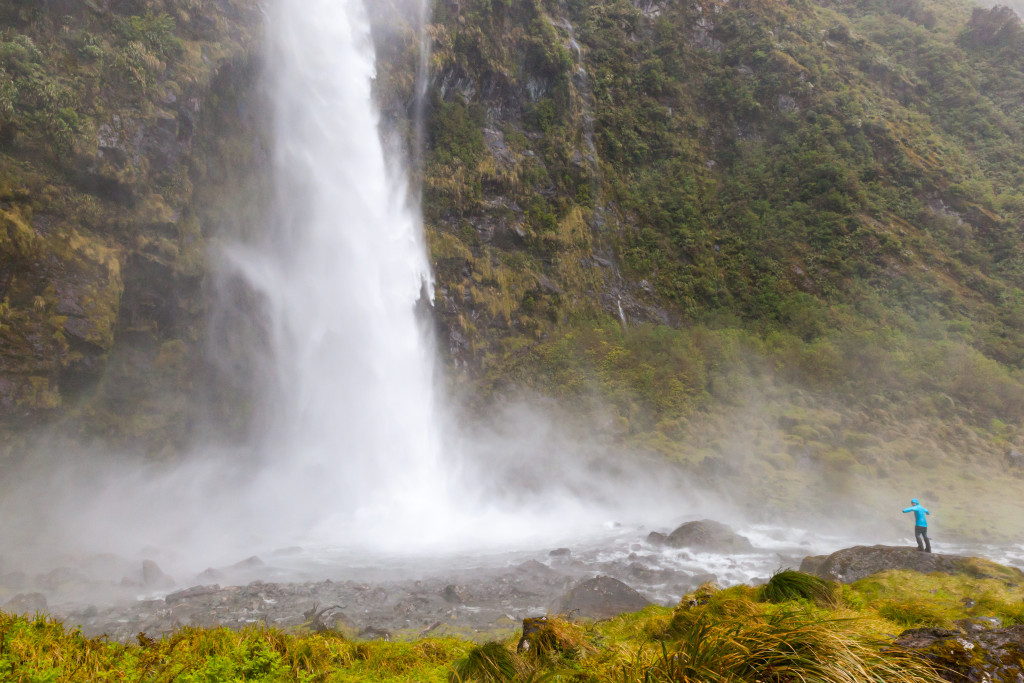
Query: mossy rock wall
{"points": [[117, 119]]}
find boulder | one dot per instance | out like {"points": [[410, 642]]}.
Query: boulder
{"points": [[704, 535], [1015, 459], [153, 577], [600, 598], [975, 655], [852, 564], [26, 603]]}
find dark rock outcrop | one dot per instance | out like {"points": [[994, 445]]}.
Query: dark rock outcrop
{"points": [[153, 577], [975, 655], [26, 603], [703, 535], [600, 598], [852, 564]]}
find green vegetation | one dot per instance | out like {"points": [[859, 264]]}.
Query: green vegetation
{"points": [[733, 635], [807, 214], [102, 231], [786, 584]]}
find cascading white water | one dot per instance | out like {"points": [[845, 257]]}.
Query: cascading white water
{"points": [[355, 430], [355, 424]]}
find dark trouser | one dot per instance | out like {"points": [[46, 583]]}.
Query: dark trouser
{"points": [[921, 532]]}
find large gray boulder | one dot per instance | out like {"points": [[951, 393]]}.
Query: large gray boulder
{"points": [[600, 598], [852, 564], [705, 534]]}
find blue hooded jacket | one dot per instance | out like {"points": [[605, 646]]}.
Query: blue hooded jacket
{"points": [[919, 513]]}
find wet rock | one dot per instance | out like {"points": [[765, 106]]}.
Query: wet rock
{"points": [[995, 654], [1014, 458], [561, 552], [154, 577], [852, 564], [61, 578], [656, 538], [532, 626], [976, 624], [26, 603], [708, 535], [249, 563], [535, 568], [600, 598], [453, 594], [190, 593], [374, 633], [211, 574]]}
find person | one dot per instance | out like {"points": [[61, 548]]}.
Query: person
{"points": [[920, 525]]}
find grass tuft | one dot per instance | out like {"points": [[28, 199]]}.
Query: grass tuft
{"points": [[787, 584], [488, 663]]}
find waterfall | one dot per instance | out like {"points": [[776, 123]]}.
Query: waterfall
{"points": [[358, 457], [353, 432]]}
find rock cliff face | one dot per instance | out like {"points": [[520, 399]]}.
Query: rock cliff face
{"points": [[121, 122]]}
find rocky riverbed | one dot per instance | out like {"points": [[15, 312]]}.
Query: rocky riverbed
{"points": [[472, 596]]}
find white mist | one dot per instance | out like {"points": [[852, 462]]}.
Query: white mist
{"points": [[354, 432]]}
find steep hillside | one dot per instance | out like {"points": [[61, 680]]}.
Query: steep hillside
{"points": [[779, 241], [776, 242]]}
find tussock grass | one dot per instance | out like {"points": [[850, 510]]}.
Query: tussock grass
{"points": [[778, 632], [740, 640], [787, 584], [489, 663], [914, 612]]}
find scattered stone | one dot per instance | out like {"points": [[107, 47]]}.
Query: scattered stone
{"points": [[190, 593], [708, 535], [600, 598], [535, 568], [992, 654], [560, 552], [374, 633], [59, 578], [975, 624], [26, 603], [453, 594]]}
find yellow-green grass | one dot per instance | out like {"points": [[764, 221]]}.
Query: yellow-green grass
{"points": [[713, 635]]}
